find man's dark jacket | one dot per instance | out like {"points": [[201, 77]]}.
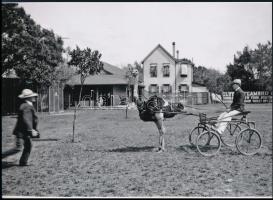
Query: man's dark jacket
{"points": [[27, 120], [238, 100]]}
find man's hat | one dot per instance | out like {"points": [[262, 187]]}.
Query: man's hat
{"points": [[236, 81], [26, 93]]}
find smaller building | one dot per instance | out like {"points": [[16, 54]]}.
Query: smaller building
{"points": [[200, 94], [109, 88]]}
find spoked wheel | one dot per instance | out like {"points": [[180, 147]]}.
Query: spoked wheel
{"points": [[230, 134], [208, 143], [248, 142], [194, 134]]}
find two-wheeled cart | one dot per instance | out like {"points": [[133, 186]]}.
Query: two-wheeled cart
{"points": [[239, 132]]}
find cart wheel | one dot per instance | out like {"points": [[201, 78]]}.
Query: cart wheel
{"points": [[194, 134], [230, 134], [248, 142], [208, 143]]}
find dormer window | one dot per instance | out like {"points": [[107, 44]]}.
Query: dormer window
{"points": [[153, 70], [183, 70]]}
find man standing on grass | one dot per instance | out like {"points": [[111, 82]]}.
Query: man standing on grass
{"points": [[236, 107], [26, 127]]}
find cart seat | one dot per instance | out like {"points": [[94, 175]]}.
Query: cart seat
{"points": [[244, 113]]}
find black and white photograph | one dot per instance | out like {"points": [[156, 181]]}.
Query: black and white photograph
{"points": [[136, 99]]}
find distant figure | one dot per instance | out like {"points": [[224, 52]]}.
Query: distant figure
{"points": [[108, 99], [26, 127], [100, 101], [236, 107]]}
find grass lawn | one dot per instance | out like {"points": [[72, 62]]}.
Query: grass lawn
{"points": [[114, 156]]}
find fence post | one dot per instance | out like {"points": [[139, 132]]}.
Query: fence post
{"points": [[69, 101], [126, 111], [49, 99], [37, 99], [41, 100], [58, 98]]}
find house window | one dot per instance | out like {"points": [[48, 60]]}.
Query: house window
{"points": [[166, 88], [183, 88], [153, 88], [153, 70], [166, 70], [183, 70]]}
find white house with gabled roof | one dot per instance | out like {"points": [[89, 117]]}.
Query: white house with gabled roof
{"points": [[165, 74]]}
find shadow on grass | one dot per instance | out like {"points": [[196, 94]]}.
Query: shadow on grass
{"points": [[132, 149], [44, 139], [6, 164], [223, 150], [187, 148]]}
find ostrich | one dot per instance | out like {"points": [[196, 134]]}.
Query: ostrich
{"points": [[155, 109]]}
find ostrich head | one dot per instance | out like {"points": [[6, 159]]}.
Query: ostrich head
{"points": [[135, 72]]}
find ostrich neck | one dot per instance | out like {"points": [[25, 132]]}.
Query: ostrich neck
{"points": [[136, 87]]}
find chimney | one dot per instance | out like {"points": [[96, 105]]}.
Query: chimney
{"points": [[174, 49], [177, 54]]}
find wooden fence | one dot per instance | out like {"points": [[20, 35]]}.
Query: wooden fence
{"points": [[50, 99], [187, 98]]}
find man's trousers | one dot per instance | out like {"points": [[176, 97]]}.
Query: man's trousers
{"points": [[19, 144]]}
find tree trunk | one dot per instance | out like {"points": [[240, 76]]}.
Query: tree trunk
{"points": [[75, 111]]}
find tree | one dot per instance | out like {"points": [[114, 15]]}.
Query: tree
{"points": [[130, 80], [223, 83], [262, 63], [211, 78], [253, 67], [33, 52], [129, 75], [63, 73], [199, 74], [87, 63], [241, 68]]}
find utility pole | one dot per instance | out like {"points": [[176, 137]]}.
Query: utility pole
{"points": [[175, 80]]}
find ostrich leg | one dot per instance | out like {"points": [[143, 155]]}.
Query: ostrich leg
{"points": [[161, 128], [159, 117]]}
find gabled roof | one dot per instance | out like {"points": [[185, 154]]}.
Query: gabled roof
{"points": [[161, 47], [113, 69], [99, 80], [111, 75], [183, 60]]}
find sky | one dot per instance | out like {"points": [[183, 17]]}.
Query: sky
{"points": [[209, 33]]}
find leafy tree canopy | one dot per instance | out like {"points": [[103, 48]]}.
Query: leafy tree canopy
{"points": [[211, 78], [253, 67], [86, 61], [32, 51]]}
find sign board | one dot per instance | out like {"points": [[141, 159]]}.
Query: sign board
{"points": [[250, 97]]}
